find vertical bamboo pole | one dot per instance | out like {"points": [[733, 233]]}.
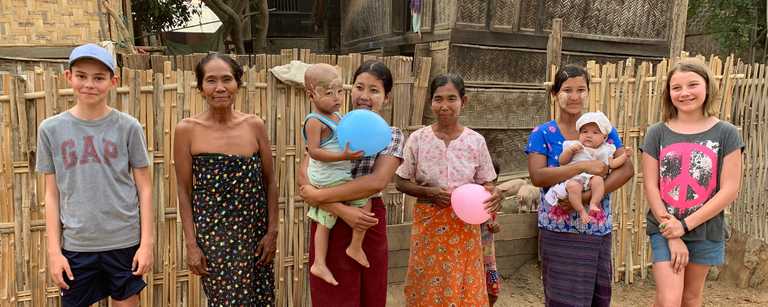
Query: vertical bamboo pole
{"points": [[16, 94], [755, 98], [762, 161], [744, 105], [758, 160], [594, 73], [165, 228], [6, 184]]}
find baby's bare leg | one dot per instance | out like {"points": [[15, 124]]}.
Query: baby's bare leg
{"points": [[319, 268], [597, 185], [355, 248], [574, 189]]}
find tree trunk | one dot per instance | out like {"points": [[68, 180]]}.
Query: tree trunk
{"points": [[231, 15], [765, 45], [221, 34], [260, 32], [236, 34]]}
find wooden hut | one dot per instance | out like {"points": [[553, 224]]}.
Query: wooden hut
{"points": [[40, 33], [499, 47], [49, 29]]}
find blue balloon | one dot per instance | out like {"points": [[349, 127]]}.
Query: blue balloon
{"points": [[364, 130]]}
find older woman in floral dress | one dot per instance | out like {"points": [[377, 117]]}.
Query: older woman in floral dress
{"points": [[445, 267]]}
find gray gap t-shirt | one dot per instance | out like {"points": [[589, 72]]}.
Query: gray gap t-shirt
{"points": [[92, 162], [689, 173]]}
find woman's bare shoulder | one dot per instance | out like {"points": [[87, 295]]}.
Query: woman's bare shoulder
{"points": [[251, 120], [187, 125]]}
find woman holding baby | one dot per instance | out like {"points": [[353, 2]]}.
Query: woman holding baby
{"points": [[575, 251]]}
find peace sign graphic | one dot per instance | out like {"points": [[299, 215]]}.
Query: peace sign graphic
{"points": [[683, 181]]}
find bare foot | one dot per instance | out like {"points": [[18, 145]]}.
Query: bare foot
{"points": [[593, 209], [359, 256], [584, 217], [324, 273]]}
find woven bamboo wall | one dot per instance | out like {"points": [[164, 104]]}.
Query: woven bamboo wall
{"points": [[159, 101], [365, 19], [639, 19], [52, 22], [642, 19]]}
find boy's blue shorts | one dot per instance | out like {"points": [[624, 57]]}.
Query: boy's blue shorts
{"points": [[99, 275], [705, 252]]}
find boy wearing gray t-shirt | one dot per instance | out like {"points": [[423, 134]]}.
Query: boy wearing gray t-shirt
{"points": [[98, 194]]}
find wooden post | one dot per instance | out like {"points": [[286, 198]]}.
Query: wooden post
{"points": [[554, 47], [427, 16], [128, 11], [105, 32], [554, 55], [678, 17]]}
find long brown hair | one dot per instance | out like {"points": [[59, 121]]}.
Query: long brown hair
{"points": [[694, 65]]}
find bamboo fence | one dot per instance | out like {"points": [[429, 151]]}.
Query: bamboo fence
{"points": [[749, 215], [631, 96], [159, 98], [629, 93]]}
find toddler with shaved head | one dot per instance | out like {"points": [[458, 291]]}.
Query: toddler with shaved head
{"points": [[330, 162]]}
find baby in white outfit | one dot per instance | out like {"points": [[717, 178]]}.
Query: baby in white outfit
{"points": [[593, 128]]}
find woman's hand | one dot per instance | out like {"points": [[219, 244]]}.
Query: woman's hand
{"points": [[441, 198], [594, 167], [679, 253], [309, 194], [196, 261], [670, 227], [266, 248], [492, 204], [357, 218]]}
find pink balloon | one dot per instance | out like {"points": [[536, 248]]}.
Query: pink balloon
{"points": [[467, 202]]}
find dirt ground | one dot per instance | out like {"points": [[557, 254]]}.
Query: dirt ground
{"points": [[524, 289]]}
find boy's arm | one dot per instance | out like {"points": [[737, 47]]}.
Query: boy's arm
{"points": [[57, 263], [143, 259], [314, 129], [140, 162]]}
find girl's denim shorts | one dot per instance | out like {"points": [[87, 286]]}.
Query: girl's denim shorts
{"points": [[705, 252]]}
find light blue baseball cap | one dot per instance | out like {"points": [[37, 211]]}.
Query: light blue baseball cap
{"points": [[92, 51]]}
